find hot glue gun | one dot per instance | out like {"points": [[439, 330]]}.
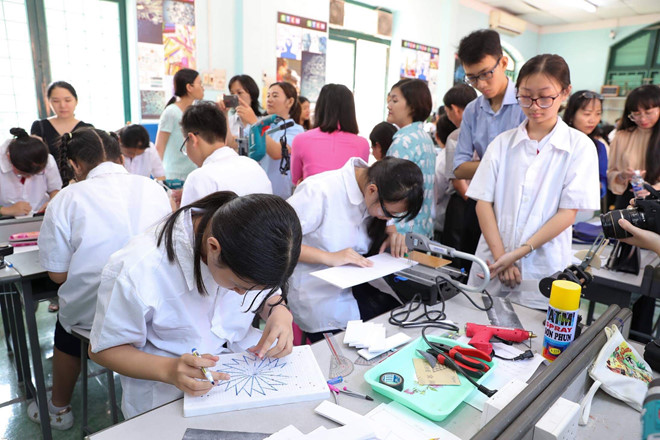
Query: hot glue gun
{"points": [[482, 334]]}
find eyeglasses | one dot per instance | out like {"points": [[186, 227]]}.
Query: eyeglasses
{"points": [[388, 214], [182, 150], [647, 114], [542, 102], [591, 95], [473, 80]]}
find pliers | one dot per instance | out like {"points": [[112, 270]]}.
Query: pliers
{"points": [[466, 358]]}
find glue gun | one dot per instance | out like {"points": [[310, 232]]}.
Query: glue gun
{"points": [[482, 334]]}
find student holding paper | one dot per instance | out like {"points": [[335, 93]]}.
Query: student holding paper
{"points": [[343, 215], [197, 280]]}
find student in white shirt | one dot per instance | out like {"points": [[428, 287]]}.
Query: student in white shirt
{"points": [[196, 281], [530, 185], [86, 223], [221, 168], [29, 177], [343, 215], [139, 156]]}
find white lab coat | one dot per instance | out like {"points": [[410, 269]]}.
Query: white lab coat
{"points": [[225, 170], [85, 223], [333, 216], [147, 164], [527, 189], [153, 304], [35, 189]]}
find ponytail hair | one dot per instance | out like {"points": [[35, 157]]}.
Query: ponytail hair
{"points": [[259, 236], [27, 153], [181, 79], [87, 147], [290, 92]]}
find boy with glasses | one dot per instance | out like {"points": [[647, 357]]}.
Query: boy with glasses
{"points": [[494, 112]]}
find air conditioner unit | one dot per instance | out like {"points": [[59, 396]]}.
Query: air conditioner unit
{"points": [[506, 23]]}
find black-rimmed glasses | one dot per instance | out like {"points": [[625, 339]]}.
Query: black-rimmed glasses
{"points": [[485, 76], [542, 102], [182, 150], [387, 213]]}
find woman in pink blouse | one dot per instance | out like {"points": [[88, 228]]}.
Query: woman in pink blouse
{"points": [[334, 139]]}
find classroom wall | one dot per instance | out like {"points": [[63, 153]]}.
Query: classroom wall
{"points": [[586, 52]]}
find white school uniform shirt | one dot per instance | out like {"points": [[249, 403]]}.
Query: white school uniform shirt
{"points": [[333, 216], [526, 190], [225, 170], [35, 189], [85, 223], [147, 164], [153, 304]]}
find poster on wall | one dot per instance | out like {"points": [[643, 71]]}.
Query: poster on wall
{"points": [[420, 61], [166, 44], [301, 47]]}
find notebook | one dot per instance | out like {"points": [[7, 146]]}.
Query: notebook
{"points": [[258, 382]]}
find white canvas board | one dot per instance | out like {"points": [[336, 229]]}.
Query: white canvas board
{"points": [[349, 275], [258, 382]]}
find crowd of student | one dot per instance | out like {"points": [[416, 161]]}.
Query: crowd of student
{"points": [[504, 179]]}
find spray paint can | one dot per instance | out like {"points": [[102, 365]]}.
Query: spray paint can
{"points": [[651, 412], [561, 320]]}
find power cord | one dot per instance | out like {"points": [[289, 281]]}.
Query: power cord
{"points": [[527, 354]]}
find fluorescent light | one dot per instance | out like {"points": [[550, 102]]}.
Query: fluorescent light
{"points": [[585, 5]]}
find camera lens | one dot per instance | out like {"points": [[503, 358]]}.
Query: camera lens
{"points": [[610, 222]]}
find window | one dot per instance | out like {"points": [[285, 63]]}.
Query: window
{"points": [[635, 60], [84, 50], [17, 85]]}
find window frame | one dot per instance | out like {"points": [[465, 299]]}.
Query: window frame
{"points": [[36, 16]]}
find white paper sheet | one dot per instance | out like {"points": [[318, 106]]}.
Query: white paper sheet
{"points": [[258, 382], [396, 422], [349, 275]]}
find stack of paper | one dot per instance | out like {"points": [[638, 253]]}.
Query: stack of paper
{"points": [[371, 338]]}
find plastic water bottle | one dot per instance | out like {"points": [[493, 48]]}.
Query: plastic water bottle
{"points": [[637, 183], [562, 318]]}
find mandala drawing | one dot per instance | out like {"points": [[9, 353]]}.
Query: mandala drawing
{"points": [[249, 374]]}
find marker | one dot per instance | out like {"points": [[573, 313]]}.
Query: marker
{"points": [[206, 372], [345, 390]]}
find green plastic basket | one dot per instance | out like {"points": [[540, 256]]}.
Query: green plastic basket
{"points": [[432, 401]]}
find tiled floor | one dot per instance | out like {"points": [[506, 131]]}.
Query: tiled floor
{"points": [[14, 423]]}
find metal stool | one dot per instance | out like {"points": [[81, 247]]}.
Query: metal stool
{"points": [[83, 335]]}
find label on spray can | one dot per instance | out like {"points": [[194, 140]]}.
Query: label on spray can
{"points": [[559, 331]]}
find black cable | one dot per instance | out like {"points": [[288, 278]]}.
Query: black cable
{"points": [[285, 161], [401, 316], [527, 354]]}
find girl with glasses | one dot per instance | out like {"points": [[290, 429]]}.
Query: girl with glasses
{"points": [[530, 185], [343, 214], [583, 113], [29, 177], [636, 145]]}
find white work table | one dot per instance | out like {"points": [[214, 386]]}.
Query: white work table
{"points": [[610, 418]]}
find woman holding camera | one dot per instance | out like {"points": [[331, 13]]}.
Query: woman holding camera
{"points": [[241, 107]]}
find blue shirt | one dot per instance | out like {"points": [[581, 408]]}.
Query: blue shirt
{"points": [[282, 185], [481, 124], [414, 144], [602, 167]]}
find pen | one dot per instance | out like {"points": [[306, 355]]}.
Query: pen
{"points": [[206, 372], [355, 394]]}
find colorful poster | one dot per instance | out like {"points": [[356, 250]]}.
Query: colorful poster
{"points": [[152, 103], [152, 70], [301, 48], [313, 75], [419, 61], [150, 21], [179, 47], [179, 12], [289, 71]]}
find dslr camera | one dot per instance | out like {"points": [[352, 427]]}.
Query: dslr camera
{"points": [[645, 215]]}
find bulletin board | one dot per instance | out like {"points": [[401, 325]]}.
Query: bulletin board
{"points": [[420, 61], [301, 53], [166, 44]]}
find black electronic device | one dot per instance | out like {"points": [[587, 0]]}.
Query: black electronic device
{"points": [[230, 101], [5, 249], [645, 215]]}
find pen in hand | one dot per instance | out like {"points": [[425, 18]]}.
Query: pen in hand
{"points": [[206, 372]]}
